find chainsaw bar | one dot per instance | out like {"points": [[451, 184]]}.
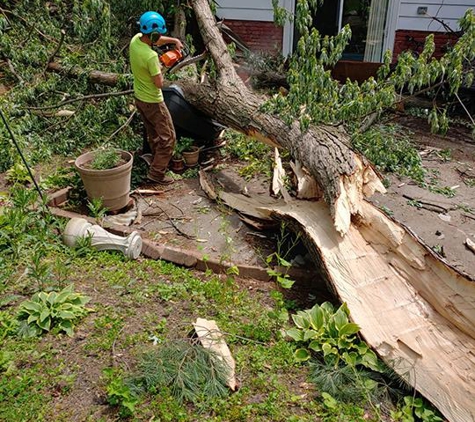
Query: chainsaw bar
{"points": [[186, 62]]}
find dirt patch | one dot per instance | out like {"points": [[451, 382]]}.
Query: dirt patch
{"points": [[183, 216]]}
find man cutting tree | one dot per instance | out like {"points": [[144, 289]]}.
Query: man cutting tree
{"points": [[148, 83]]}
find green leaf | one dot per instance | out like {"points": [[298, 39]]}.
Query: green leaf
{"points": [[283, 262], [66, 315], [295, 334], [315, 345], [329, 401], [43, 296], [328, 349], [300, 321], [52, 298], [370, 360], [45, 324], [67, 327], [349, 329], [64, 294], [316, 317], [44, 314], [340, 319], [31, 306], [327, 308], [32, 318], [285, 282], [309, 334], [350, 358], [302, 355]]}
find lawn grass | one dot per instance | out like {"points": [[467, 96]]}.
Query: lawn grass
{"points": [[139, 305]]}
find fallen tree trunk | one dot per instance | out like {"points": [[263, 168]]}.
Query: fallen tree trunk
{"points": [[413, 308]]}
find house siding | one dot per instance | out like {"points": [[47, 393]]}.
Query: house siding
{"points": [[448, 11], [246, 10]]}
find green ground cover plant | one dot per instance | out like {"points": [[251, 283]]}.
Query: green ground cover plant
{"points": [[45, 311], [346, 371]]}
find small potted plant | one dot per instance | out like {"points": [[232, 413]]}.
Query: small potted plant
{"points": [[177, 163], [106, 174], [190, 152]]}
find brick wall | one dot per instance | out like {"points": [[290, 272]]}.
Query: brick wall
{"points": [[259, 36], [414, 40]]}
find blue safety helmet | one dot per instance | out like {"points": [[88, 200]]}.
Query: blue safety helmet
{"points": [[152, 22]]}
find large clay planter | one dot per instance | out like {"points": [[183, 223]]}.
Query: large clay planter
{"points": [[191, 157], [111, 185]]}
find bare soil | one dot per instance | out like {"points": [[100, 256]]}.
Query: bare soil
{"points": [[443, 223]]}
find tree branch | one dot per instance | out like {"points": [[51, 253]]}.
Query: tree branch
{"points": [[58, 47], [123, 126], [13, 71], [85, 97], [215, 44]]}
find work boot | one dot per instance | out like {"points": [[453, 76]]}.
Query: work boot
{"points": [[165, 180]]}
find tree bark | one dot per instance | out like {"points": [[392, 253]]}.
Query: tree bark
{"points": [[96, 76]]}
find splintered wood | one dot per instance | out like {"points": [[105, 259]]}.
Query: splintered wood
{"points": [[414, 310], [211, 338]]}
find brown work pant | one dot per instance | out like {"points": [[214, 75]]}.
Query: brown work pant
{"points": [[160, 133]]}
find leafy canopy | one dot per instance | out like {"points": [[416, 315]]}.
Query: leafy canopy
{"points": [[315, 97]]}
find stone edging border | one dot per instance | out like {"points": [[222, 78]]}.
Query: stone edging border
{"points": [[179, 256]]}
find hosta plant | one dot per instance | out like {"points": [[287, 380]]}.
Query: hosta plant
{"points": [[45, 311], [331, 333]]}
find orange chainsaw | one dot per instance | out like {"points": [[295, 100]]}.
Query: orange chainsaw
{"points": [[170, 56]]}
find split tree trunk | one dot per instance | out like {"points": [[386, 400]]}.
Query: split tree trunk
{"points": [[416, 311]]}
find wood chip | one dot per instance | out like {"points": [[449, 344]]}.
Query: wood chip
{"points": [[148, 192], [470, 245], [211, 338], [445, 217]]}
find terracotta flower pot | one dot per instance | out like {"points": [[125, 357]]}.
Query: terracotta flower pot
{"points": [[177, 165], [191, 157], [111, 185]]}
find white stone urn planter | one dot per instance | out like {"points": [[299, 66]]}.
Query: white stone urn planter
{"points": [[101, 239]]}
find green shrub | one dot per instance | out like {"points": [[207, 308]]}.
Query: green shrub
{"points": [[390, 149], [324, 330], [120, 395], [106, 159]]}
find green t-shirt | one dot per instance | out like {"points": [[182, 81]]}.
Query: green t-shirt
{"points": [[144, 64]]}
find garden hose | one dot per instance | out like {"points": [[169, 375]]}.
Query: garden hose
{"points": [[23, 158]]}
